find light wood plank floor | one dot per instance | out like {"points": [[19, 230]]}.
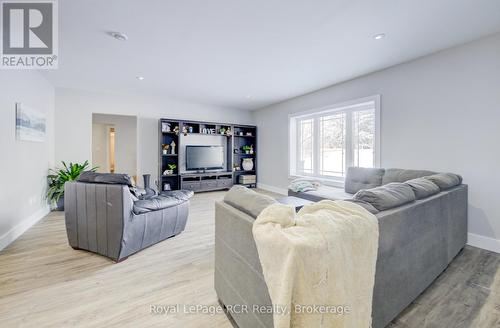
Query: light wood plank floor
{"points": [[45, 283]]}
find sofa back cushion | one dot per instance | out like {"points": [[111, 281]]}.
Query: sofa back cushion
{"points": [[445, 180], [248, 201], [107, 178], [358, 178], [388, 196], [367, 206], [423, 187], [402, 175]]}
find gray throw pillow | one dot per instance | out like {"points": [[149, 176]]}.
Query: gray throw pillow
{"points": [[403, 175], [248, 201], [445, 180], [423, 187], [388, 196], [358, 178]]}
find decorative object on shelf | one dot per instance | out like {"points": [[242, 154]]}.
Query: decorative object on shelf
{"points": [[30, 124], [166, 186], [222, 130], [236, 151], [236, 167], [58, 177], [247, 179], [171, 168], [247, 164], [184, 131], [165, 148], [229, 132], [208, 131], [172, 146], [176, 130], [165, 127], [247, 149], [190, 129], [249, 134], [251, 149], [241, 133]]}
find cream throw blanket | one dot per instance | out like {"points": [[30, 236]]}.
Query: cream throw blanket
{"points": [[323, 256]]}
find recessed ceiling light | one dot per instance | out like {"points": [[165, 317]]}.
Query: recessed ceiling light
{"points": [[119, 36], [140, 78], [379, 36]]}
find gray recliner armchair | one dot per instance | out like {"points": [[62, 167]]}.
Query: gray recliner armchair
{"points": [[105, 217]]}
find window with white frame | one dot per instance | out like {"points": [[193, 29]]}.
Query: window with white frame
{"points": [[325, 142]]}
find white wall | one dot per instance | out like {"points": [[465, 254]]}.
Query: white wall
{"points": [[125, 141], [440, 112], [24, 165], [73, 121], [100, 147]]}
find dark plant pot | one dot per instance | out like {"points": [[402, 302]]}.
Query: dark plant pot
{"points": [[60, 204]]}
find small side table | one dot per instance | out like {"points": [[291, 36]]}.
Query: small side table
{"points": [[296, 202]]}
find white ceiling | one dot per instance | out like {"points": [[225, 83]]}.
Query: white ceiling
{"points": [[221, 51]]}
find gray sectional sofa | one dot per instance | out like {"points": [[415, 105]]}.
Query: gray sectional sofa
{"points": [[417, 239], [106, 215]]}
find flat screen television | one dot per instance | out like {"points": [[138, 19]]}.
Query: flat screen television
{"points": [[204, 157]]}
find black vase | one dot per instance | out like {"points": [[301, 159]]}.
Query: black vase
{"points": [[147, 178], [60, 204], [149, 191]]}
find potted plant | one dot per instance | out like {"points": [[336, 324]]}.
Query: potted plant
{"points": [[246, 149], [171, 168], [58, 177]]}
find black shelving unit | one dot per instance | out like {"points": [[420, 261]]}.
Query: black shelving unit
{"points": [[169, 156], [244, 135], [238, 137]]}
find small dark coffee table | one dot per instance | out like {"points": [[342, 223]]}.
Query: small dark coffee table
{"points": [[296, 202]]}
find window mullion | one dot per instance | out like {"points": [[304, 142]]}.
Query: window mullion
{"points": [[349, 146], [316, 146], [298, 138]]}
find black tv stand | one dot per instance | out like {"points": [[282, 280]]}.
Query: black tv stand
{"points": [[206, 181]]}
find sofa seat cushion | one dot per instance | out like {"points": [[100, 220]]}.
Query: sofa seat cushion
{"points": [[402, 175], [423, 187], [162, 201], [107, 178], [327, 192], [385, 197], [358, 178], [445, 180], [182, 195], [248, 201]]}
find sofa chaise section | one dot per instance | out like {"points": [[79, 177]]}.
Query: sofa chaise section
{"points": [[358, 178]]}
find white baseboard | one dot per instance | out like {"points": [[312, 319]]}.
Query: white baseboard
{"points": [[24, 225], [277, 190], [490, 244]]}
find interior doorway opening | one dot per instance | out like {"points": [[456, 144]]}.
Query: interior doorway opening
{"points": [[114, 144]]}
